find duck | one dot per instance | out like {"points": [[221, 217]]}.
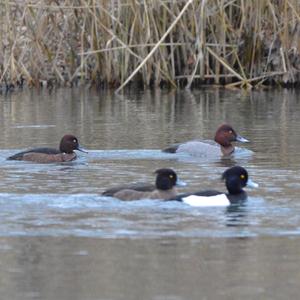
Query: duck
{"points": [[65, 153], [236, 178], [164, 188], [223, 147]]}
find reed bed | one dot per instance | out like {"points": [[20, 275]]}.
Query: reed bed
{"points": [[114, 43]]}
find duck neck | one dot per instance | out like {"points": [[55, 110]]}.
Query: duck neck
{"points": [[167, 194], [68, 156], [65, 148], [233, 186], [237, 198], [227, 150]]}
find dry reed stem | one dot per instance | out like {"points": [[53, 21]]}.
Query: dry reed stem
{"points": [[153, 42], [155, 47]]}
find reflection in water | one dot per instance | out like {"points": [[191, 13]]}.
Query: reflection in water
{"points": [[227, 162], [153, 120], [60, 239], [80, 268], [236, 215]]}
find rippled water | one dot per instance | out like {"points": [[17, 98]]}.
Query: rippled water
{"points": [[55, 223]]}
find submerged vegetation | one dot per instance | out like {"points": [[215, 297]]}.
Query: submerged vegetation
{"points": [[111, 43]]}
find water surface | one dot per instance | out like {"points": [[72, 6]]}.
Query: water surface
{"points": [[60, 239]]}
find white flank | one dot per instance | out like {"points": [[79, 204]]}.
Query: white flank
{"points": [[218, 200]]}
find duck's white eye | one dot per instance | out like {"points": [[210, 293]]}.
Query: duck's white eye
{"points": [[230, 131], [74, 141], [171, 176], [242, 176]]}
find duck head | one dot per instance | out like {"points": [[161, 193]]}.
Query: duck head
{"points": [[69, 143], [236, 178], [166, 179], [225, 135]]}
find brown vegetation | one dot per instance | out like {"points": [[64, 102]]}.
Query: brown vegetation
{"points": [[149, 42]]}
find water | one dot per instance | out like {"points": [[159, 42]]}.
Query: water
{"points": [[60, 239]]}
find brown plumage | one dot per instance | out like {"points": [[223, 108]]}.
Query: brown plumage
{"points": [[164, 188], [65, 153]]}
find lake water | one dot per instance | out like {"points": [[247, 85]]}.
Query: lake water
{"points": [[60, 239]]}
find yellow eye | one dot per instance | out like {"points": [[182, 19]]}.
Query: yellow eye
{"points": [[171, 176], [242, 176]]}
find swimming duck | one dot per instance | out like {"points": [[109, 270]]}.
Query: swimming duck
{"points": [[236, 178], [65, 153], [164, 188], [224, 136]]}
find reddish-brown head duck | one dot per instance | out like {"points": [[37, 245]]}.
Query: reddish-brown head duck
{"points": [[65, 153], [224, 136]]}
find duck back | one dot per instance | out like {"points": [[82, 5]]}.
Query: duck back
{"points": [[139, 186], [131, 195], [199, 148], [43, 155]]}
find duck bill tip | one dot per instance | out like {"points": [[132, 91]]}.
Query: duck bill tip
{"points": [[181, 183], [252, 184], [241, 139], [81, 150]]}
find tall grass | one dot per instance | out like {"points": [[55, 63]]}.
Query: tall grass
{"points": [[111, 43]]}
